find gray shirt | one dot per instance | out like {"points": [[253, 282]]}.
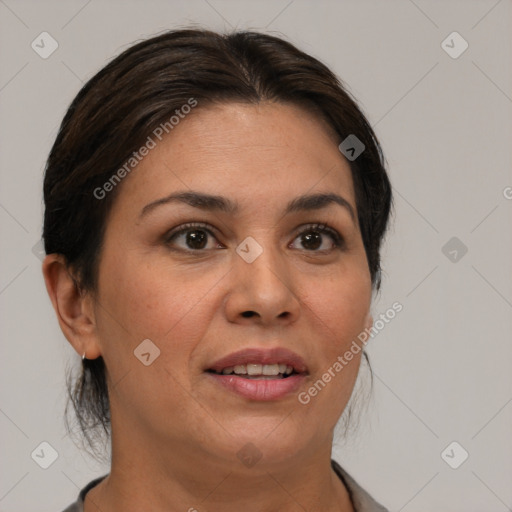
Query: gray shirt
{"points": [[361, 500]]}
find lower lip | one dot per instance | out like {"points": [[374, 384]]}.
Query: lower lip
{"points": [[256, 389]]}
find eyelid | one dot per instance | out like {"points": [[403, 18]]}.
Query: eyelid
{"points": [[189, 225]]}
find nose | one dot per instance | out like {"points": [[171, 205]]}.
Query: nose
{"points": [[262, 291]]}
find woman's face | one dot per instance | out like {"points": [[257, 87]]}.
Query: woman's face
{"points": [[199, 295]]}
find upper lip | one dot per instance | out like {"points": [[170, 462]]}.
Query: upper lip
{"points": [[261, 356]]}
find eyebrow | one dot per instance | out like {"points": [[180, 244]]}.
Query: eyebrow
{"points": [[208, 202]]}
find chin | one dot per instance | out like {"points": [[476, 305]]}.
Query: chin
{"points": [[269, 439]]}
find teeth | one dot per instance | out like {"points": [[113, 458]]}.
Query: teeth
{"points": [[270, 369], [254, 369], [240, 369], [264, 377], [258, 369]]}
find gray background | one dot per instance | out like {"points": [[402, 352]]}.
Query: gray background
{"points": [[442, 365]]}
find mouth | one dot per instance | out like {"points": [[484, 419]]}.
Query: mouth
{"points": [[255, 371], [259, 374]]}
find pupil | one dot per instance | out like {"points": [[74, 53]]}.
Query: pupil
{"points": [[196, 239], [312, 240]]}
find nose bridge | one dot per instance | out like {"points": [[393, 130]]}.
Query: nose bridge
{"points": [[266, 271], [262, 282], [262, 263]]}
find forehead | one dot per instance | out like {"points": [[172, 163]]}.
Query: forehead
{"points": [[254, 153]]}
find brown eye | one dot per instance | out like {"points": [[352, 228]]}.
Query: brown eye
{"points": [[196, 239], [191, 237], [315, 238], [312, 240]]}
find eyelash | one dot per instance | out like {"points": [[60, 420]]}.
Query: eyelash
{"points": [[323, 228]]}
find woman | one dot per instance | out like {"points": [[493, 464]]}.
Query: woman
{"points": [[215, 206]]}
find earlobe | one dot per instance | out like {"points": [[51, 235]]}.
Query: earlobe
{"points": [[73, 309]]}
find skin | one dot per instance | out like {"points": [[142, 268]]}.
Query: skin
{"points": [[175, 433]]}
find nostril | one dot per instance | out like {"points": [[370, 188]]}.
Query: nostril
{"points": [[248, 314]]}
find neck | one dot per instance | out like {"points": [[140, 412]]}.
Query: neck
{"points": [[191, 479]]}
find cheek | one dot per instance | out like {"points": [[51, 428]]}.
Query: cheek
{"points": [[339, 306], [158, 301]]}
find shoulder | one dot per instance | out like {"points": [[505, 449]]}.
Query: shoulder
{"points": [[78, 505], [361, 500]]}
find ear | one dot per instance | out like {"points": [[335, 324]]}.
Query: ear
{"points": [[74, 308]]}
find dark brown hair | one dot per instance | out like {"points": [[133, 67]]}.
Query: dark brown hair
{"points": [[120, 106]]}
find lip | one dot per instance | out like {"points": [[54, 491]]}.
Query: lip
{"points": [[261, 390], [261, 356]]}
